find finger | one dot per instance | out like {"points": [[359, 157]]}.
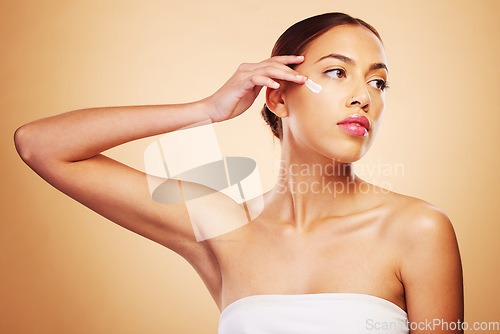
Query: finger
{"points": [[262, 81], [288, 59], [278, 60], [271, 62], [277, 73], [291, 71]]}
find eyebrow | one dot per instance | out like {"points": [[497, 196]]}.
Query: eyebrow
{"points": [[345, 59]]}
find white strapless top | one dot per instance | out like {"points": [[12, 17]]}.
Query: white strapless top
{"points": [[318, 313]]}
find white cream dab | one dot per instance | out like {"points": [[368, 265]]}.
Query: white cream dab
{"points": [[314, 87]]}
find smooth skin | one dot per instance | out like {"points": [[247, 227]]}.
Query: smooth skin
{"points": [[358, 238]]}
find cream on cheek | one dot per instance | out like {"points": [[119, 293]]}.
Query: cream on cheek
{"points": [[314, 87]]}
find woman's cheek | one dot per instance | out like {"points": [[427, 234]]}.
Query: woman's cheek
{"points": [[377, 108], [315, 111], [314, 116]]}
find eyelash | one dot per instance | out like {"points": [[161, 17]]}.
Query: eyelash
{"points": [[383, 84]]}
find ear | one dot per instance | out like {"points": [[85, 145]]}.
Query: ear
{"points": [[275, 102]]}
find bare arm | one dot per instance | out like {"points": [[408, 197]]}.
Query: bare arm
{"points": [[65, 150], [432, 274], [81, 134]]}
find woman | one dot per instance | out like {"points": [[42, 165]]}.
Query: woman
{"points": [[344, 257]]}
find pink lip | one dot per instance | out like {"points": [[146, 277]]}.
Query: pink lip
{"points": [[358, 130]]}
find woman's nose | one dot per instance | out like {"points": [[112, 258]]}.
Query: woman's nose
{"points": [[359, 98]]}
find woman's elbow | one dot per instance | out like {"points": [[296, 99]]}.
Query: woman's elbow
{"points": [[24, 140]]}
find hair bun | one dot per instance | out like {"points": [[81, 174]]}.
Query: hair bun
{"points": [[273, 121]]}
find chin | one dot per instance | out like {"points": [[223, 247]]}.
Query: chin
{"points": [[345, 158], [345, 151], [342, 155]]}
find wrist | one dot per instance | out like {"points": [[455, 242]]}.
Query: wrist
{"points": [[207, 109], [212, 109]]}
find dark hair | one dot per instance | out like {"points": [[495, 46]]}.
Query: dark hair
{"points": [[296, 38]]}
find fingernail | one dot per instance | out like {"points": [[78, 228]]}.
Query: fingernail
{"points": [[301, 77], [300, 57]]}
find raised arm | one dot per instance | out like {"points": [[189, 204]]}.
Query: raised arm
{"points": [[65, 150]]}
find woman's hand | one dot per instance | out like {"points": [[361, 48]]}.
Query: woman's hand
{"points": [[241, 90]]}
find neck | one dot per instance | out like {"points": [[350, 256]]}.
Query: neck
{"points": [[311, 187]]}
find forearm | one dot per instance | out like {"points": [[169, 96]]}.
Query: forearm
{"points": [[81, 134]]}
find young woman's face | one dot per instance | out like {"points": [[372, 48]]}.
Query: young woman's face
{"points": [[349, 63]]}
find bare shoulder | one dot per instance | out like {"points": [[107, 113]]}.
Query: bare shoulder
{"points": [[429, 259], [415, 217], [424, 237]]}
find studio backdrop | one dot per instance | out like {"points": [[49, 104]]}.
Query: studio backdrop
{"points": [[65, 269]]}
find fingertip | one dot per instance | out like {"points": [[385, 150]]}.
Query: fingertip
{"points": [[301, 77], [299, 59]]}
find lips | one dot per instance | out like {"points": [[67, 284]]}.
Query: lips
{"points": [[357, 125]]}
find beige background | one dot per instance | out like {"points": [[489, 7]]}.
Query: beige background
{"points": [[65, 269]]}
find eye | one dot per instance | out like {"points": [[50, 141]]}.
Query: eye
{"points": [[379, 84], [336, 73]]}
